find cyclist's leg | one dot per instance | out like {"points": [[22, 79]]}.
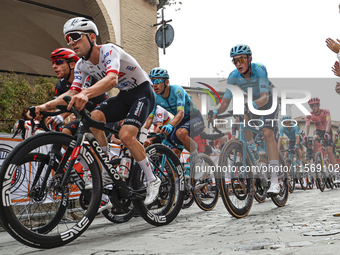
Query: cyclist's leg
{"points": [[272, 148], [140, 101], [248, 133], [103, 113], [329, 149], [185, 130]]}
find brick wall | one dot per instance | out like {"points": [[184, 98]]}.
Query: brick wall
{"points": [[102, 20], [138, 35]]}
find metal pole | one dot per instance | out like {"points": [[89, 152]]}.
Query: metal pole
{"points": [[163, 31]]}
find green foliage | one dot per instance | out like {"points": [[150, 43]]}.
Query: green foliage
{"points": [[19, 91], [164, 3]]}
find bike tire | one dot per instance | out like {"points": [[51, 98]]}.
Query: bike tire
{"points": [[208, 181], [42, 227], [282, 198], [311, 183], [259, 195], [291, 176], [310, 174], [320, 174], [188, 196], [238, 206], [303, 180], [170, 198]]}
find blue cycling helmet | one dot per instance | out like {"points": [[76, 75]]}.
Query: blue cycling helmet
{"points": [[159, 73], [287, 117], [240, 49]]}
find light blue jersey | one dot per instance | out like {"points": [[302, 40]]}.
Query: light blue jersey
{"points": [[258, 81], [178, 99], [291, 134]]}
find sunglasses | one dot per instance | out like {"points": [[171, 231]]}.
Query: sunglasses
{"points": [[74, 36], [240, 59], [58, 62], [157, 81], [313, 105]]}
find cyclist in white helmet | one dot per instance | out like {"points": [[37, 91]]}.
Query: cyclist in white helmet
{"points": [[113, 67]]}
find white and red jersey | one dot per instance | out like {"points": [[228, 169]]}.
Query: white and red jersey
{"points": [[161, 116], [111, 59], [29, 130]]}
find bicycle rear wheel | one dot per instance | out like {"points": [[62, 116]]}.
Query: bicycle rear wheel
{"points": [[235, 181], [35, 209], [169, 169], [205, 190]]}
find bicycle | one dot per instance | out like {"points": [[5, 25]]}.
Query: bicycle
{"points": [[296, 174], [238, 159], [318, 168], [33, 213], [323, 173], [115, 215], [201, 189], [310, 165]]}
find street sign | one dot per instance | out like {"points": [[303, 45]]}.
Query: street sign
{"points": [[165, 38]]}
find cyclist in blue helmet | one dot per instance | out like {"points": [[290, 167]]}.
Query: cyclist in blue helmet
{"points": [[293, 133], [187, 122], [248, 74]]}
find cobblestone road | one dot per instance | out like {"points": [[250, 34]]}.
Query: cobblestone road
{"points": [[306, 225]]}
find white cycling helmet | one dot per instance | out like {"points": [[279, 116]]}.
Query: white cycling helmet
{"points": [[80, 24]]}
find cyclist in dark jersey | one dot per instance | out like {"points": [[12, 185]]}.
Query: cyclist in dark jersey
{"points": [[63, 63]]}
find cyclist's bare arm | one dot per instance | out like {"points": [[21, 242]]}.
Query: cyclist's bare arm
{"points": [[178, 118], [148, 122], [307, 130], [108, 82], [264, 97], [51, 105], [158, 127], [50, 120], [224, 106], [297, 141], [104, 85], [328, 126], [279, 142]]}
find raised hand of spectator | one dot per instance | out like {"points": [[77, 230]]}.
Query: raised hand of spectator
{"points": [[337, 87], [333, 45], [336, 69]]}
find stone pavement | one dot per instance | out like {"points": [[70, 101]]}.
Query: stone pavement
{"points": [[306, 225]]}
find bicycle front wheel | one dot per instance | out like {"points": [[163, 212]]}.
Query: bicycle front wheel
{"points": [[291, 175], [282, 198], [188, 196], [169, 169], [35, 209], [236, 182], [205, 190], [320, 174]]}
